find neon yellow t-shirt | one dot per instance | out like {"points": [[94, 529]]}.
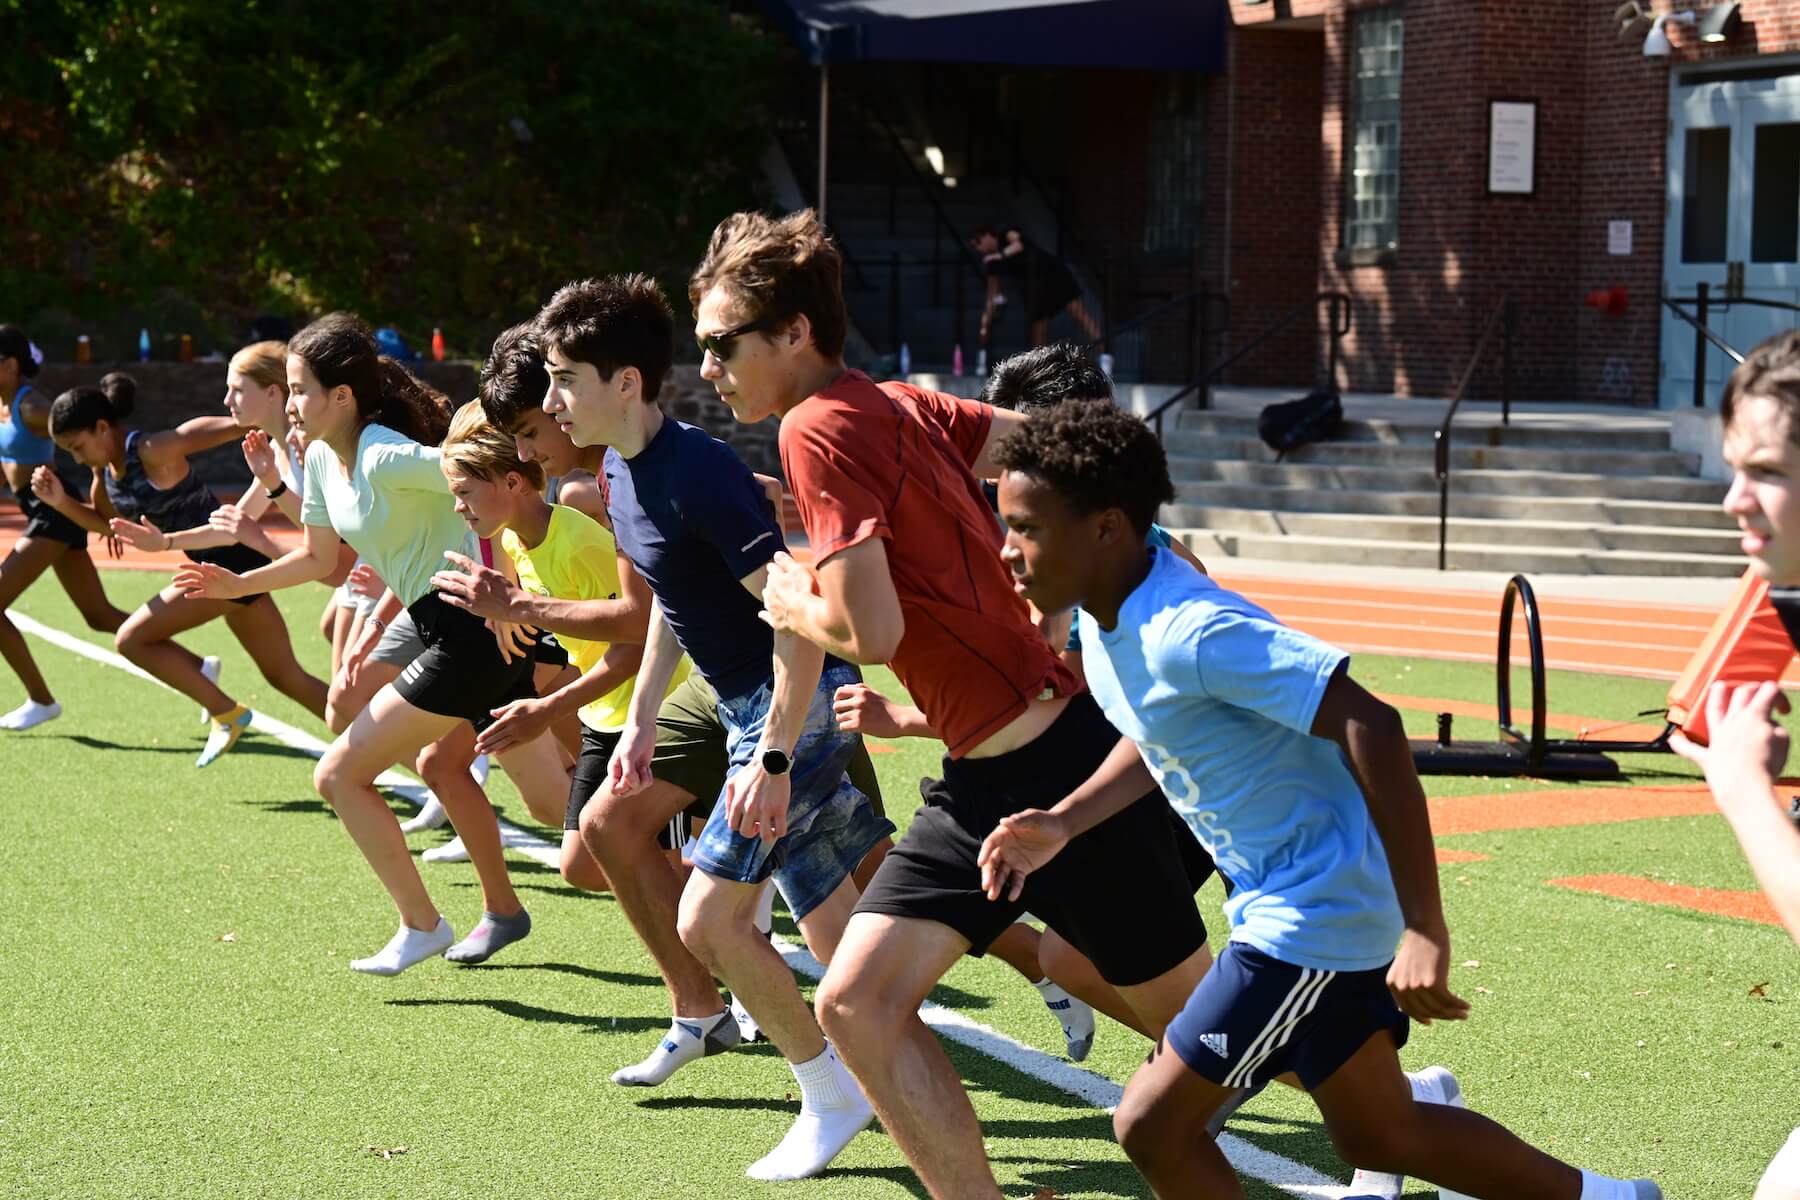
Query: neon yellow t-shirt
{"points": [[578, 560]]}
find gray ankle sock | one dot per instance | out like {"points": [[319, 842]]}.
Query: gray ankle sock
{"points": [[491, 934]]}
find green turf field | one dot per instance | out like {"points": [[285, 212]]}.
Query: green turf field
{"points": [[179, 1019]]}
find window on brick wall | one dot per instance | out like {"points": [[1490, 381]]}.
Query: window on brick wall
{"points": [[1372, 216], [1177, 167]]}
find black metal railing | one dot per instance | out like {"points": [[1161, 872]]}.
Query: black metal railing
{"points": [[1703, 302], [1204, 313], [1338, 325], [1505, 319]]}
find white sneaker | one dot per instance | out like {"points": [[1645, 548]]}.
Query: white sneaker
{"points": [[1433, 1085], [430, 816], [210, 666], [451, 851], [30, 714], [407, 948]]}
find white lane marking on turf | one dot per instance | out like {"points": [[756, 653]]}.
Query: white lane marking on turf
{"points": [[1265, 1165]]}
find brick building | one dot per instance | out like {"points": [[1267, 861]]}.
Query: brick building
{"points": [[1344, 145]]}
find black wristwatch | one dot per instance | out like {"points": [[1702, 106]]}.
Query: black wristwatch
{"points": [[275, 492], [776, 762]]}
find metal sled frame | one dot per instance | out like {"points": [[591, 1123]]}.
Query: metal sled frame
{"points": [[1518, 753]]}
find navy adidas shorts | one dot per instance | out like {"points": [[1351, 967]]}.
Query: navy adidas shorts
{"points": [[1254, 1017]]}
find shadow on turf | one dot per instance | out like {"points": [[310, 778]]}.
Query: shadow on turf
{"points": [[550, 1016], [624, 978], [257, 747]]}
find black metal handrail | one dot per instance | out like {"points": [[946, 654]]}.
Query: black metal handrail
{"points": [[1505, 317], [1201, 295], [1339, 326], [1703, 333]]}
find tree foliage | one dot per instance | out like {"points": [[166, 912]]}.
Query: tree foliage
{"points": [[424, 164]]}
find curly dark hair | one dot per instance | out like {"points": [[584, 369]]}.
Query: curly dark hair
{"points": [[513, 379], [1034, 380], [1097, 456], [613, 322]]}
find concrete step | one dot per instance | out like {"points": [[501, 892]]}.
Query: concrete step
{"points": [[1562, 535], [1219, 547], [1592, 510], [1356, 476], [1192, 444], [1466, 433]]}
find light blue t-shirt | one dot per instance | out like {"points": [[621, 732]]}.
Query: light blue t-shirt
{"points": [[393, 506], [1219, 697]]}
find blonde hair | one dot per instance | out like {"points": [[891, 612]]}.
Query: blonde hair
{"points": [[264, 362], [481, 450]]}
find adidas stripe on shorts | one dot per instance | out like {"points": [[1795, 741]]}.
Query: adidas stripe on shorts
{"points": [[1254, 1017]]}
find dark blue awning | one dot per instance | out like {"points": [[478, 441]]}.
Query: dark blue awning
{"points": [[1181, 35]]}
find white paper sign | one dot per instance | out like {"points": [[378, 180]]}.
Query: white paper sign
{"points": [[1618, 237], [1512, 146]]}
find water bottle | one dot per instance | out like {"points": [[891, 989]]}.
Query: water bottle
{"points": [[1106, 365], [905, 360], [981, 361], [187, 347], [437, 344], [143, 345], [956, 363], [84, 349]]}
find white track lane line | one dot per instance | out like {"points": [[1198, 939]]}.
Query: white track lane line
{"points": [[1294, 1178]]}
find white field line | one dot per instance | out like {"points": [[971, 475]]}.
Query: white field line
{"points": [[1294, 1178]]}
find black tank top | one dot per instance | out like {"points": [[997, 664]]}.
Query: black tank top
{"points": [[188, 504]]}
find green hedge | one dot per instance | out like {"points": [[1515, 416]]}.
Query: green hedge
{"points": [[188, 164]]}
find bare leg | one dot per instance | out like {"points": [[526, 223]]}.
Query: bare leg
{"points": [[389, 730], [343, 702], [1376, 1124], [1018, 949], [337, 626], [259, 628], [444, 766], [1157, 1001], [146, 639], [536, 770], [620, 832], [717, 922], [868, 1006], [1040, 332], [75, 571], [1083, 318], [579, 870], [29, 559], [871, 862], [1161, 1123]]}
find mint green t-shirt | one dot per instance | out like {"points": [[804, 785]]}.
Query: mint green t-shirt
{"points": [[392, 506]]}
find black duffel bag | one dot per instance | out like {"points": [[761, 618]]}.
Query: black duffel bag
{"points": [[1314, 417]]}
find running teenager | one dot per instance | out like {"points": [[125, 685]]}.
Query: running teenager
{"points": [[373, 478], [696, 526], [50, 540], [1302, 786], [146, 477], [908, 573], [1746, 748]]}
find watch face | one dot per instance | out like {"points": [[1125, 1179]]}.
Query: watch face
{"points": [[775, 762]]}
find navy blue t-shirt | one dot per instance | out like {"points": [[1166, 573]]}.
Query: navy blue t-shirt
{"points": [[693, 520]]}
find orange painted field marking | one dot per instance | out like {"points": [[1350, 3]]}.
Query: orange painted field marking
{"points": [[1460, 856], [1557, 808], [1745, 906]]}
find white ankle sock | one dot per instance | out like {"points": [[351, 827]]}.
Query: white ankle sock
{"points": [[688, 1038], [30, 714], [406, 948], [832, 1111]]}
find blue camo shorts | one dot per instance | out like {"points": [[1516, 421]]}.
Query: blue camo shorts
{"points": [[831, 825]]}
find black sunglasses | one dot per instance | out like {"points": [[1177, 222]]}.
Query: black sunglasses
{"points": [[719, 345]]}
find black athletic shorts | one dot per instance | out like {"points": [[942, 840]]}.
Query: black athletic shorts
{"points": [[590, 774], [548, 652], [236, 557], [460, 673], [1121, 893], [42, 521]]}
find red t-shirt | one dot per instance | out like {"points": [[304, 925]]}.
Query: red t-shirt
{"points": [[892, 461]]}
